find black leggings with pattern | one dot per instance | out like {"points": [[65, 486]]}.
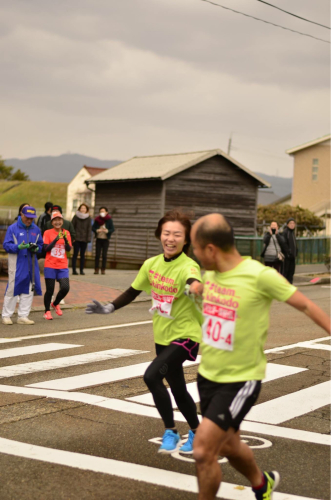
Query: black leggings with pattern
{"points": [[50, 285]]}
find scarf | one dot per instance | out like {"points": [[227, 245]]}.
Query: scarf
{"points": [[80, 215], [101, 220]]}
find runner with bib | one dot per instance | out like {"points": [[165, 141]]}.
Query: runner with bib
{"points": [[176, 324], [56, 244], [237, 294]]}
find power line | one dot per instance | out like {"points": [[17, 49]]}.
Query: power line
{"points": [[263, 21], [294, 15]]}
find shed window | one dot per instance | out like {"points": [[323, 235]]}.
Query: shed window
{"points": [[315, 173]]}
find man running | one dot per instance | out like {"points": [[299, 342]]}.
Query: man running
{"points": [[237, 295]]}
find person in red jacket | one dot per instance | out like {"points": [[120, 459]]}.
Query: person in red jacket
{"points": [[56, 243]]}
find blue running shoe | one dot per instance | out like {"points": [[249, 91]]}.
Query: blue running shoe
{"points": [[188, 446], [271, 482], [170, 442]]}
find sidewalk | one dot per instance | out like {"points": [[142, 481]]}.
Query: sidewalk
{"points": [[106, 288]]}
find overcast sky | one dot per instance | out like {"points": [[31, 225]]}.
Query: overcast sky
{"points": [[116, 79]]}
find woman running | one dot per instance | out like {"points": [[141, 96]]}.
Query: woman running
{"points": [[176, 324], [56, 244]]}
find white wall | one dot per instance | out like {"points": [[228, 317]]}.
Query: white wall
{"points": [[77, 193]]}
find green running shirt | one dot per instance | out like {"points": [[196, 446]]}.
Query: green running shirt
{"points": [[236, 320], [174, 314]]}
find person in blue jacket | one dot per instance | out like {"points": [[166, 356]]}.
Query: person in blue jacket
{"points": [[22, 242]]}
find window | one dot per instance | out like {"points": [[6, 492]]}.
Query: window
{"points": [[74, 205], [315, 173], [315, 161]]}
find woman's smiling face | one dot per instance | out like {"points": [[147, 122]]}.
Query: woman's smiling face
{"points": [[57, 223], [172, 238]]}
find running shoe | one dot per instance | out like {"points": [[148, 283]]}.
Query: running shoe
{"points": [[188, 446], [271, 482], [170, 442], [57, 309], [48, 315]]}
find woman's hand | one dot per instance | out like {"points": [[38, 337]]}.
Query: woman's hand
{"points": [[196, 287], [98, 308]]}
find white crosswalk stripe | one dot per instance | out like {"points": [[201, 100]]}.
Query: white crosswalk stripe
{"points": [[34, 349]]}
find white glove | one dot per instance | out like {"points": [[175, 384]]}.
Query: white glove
{"points": [[98, 308]]}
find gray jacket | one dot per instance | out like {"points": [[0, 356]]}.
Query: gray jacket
{"points": [[83, 228]]}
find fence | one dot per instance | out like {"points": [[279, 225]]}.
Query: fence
{"points": [[9, 213], [310, 250]]}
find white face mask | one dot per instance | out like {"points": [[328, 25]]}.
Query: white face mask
{"points": [[102, 214]]}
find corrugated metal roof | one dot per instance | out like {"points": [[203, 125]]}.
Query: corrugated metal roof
{"points": [[309, 144], [164, 166]]}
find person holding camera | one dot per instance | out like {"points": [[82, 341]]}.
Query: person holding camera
{"points": [[22, 242], [274, 249]]}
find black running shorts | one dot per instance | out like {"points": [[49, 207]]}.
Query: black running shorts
{"points": [[227, 404]]}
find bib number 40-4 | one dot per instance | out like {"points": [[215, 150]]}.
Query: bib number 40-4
{"points": [[219, 327]]}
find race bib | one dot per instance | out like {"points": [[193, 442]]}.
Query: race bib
{"points": [[162, 304], [218, 327], [58, 252]]}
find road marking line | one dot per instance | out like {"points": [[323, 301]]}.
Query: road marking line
{"points": [[299, 344], [100, 377], [70, 332], [53, 364], [274, 371], [34, 349], [292, 405], [147, 411], [127, 470], [321, 347]]}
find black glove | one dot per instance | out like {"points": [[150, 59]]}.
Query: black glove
{"points": [[33, 247], [98, 308]]}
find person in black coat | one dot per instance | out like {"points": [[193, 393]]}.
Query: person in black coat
{"points": [[103, 228], [274, 248], [82, 223], [289, 236]]}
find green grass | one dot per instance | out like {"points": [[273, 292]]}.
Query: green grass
{"points": [[13, 193]]}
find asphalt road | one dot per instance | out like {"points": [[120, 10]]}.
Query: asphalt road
{"points": [[69, 428]]}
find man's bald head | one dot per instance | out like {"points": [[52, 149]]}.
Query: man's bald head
{"points": [[214, 229]]}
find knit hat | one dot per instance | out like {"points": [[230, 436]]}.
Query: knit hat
{"points": [[289, 220], [57, 208], [56, 214]]}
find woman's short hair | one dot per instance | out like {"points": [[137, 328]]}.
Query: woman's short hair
{"points": [[83, 205], [103, 208], [176, 216]]}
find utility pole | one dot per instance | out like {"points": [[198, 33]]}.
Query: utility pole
{"points": [[229, 144]]}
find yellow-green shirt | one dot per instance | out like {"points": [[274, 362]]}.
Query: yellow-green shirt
{"points": [[174, 314], [236, 310]]}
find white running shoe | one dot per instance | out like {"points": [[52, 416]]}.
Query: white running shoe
{"points": [[25, 321], [6, 320], [62, 302]]}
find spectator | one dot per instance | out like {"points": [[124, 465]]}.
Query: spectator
{"points": [[103, 228], [57, 242], [22, 241], [45, 217], [290, 240], [274, 249], [66, 223], [20, 210], [82, 224]]}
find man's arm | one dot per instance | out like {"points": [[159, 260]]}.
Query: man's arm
{"points": [[303, 304]]}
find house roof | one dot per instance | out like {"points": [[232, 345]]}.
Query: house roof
{"points": [[287, 197], [308, 144], [266, 197], [94, 170], [164, 166]]}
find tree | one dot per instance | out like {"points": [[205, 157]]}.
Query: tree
{"points": [[6, 173], [306, 220], [19, 176]]}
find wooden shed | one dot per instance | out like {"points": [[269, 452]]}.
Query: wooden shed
{"points": [[139, 191]]}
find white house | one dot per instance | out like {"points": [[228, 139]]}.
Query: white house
{"points": [[78, 192]]}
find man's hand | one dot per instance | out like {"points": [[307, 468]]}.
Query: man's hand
{"points": [[196, 287], [23, 245], [98, 308], [33, 247]]}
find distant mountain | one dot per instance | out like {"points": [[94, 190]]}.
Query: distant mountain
{"points": [[281, 186], [61, 168]]}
